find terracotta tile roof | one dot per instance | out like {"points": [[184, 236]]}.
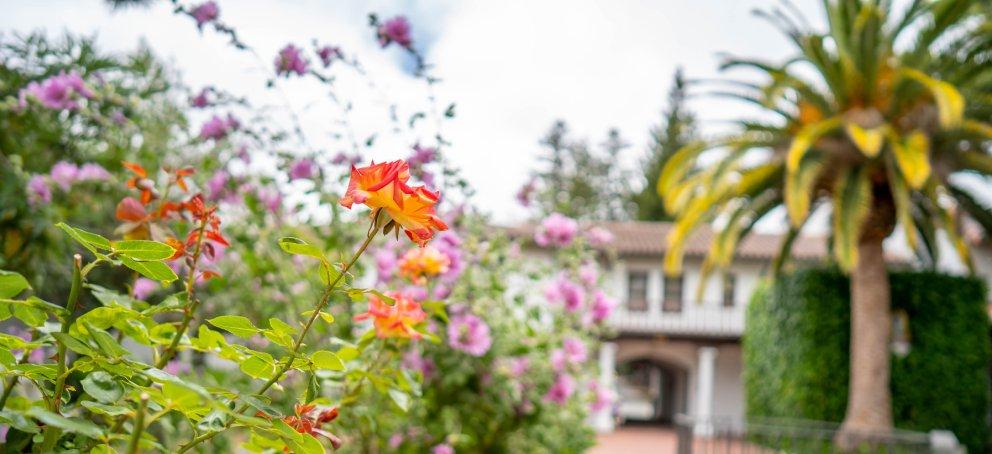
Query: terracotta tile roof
{"points": [[648, 238]]}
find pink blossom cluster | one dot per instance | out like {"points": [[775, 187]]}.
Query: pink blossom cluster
{"points": [[218, 128], [63, 174], [470, 334], [395, 30], [290, 60], [204, 13], [59, 92], [556, 231]]}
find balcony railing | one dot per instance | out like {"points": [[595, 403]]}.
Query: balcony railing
{"points": [[692, 320]]}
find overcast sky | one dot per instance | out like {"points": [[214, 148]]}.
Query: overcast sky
{"points": [[512, 67]]}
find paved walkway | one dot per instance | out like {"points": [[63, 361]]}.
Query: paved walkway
{"points": [[636, 440]]}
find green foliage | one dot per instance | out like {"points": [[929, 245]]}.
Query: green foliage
{"points": [[797, 342], [579, 181], [676, 130]]}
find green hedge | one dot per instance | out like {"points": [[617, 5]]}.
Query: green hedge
{"points": [[797, 340]]}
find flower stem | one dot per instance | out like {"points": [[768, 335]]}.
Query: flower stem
{"points": [[51, 432], [191, 300], [139, 426], [324, 298]]}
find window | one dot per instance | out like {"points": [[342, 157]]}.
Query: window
{"points": [[673, 294], [637, 291], [729, 282]]}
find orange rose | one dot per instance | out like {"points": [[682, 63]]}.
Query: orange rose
{"points": [[397, 320], [420, 263], [385, 186]]}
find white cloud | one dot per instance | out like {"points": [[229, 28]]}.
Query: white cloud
{"points": [[513, 67]]}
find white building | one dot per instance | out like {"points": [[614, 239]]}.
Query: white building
{"points": [[673, 353]]}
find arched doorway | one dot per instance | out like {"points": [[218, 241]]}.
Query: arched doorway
{"points": [[651, 391]]}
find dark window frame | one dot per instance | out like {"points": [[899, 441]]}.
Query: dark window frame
{"points": [[672, 294], [729, 290], [642, 301]]}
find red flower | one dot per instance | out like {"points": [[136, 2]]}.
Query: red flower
{"points": [[309, 421]]}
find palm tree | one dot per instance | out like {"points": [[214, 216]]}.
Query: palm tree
{"points": [[878, 117]]}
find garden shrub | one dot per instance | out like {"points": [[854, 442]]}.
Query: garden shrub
{"points": [[797, 341]]}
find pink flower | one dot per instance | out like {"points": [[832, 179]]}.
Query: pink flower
{"points": [[218, 128], [143, 287], [556, 231], [575, 350], [588, 274], [216, 185], [602, 306], [563, 388], [204, 13], [327, 54], [443, 448], [599, 236], [395, 30], [567, 292], [57, 92], [176, 367], [92, 172], [469, 334], [421, 155], [200, 100], [344, 158], [449, 244], [290, 60], [602, 397], [414, 361], [385, 264], [526, 193], [396, 440], [64, 174], [519, 366], [302, 169], [38, 190], [270, 198]]}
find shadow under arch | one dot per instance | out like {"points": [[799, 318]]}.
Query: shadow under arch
{"points": [[652, 390]]}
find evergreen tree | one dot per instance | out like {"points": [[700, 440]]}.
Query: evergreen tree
{"points": [[676, 130]]}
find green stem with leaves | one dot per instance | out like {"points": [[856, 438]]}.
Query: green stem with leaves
{"points": [[139, 426], [52, 432], [191, 300], [324, 298]]}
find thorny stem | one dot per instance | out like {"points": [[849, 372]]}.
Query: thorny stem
{"points": [[55, 406], [324, 298], [192, 301], [139, 425]]}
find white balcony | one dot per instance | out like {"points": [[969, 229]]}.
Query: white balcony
{"points": [[692, 320]]}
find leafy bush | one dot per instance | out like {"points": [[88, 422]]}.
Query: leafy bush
{"points": [[797, 342]]}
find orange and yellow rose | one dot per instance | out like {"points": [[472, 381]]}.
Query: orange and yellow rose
{"points": [[385, 186], [398, 320], [421, 263]]}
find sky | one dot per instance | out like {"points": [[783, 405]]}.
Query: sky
{"points": [[512, 67]]}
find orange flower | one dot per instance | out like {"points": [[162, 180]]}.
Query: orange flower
{"points": [[397, 320], [385, 186], [308, 420], [420, 263]]}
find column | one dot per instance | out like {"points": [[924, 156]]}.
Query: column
{"points": [[654, 292], [705, 371], [603, 420]]}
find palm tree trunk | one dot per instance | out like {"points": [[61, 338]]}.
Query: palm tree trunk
{"points": [[869, 404]]}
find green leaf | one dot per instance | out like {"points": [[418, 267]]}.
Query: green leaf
{"points": [[143, 249], [74, 344], [281, 326], [348, 353], [259, 404], [29, 315], [102, 387], [400, 398], [235, 324], [297, 442], [18, 421], [298, 246], [182, 397], [324, 359], [109, 410], [152, 270], [73, 425], [256, 367], [89, 240], [12, 284], [107, 343]]}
